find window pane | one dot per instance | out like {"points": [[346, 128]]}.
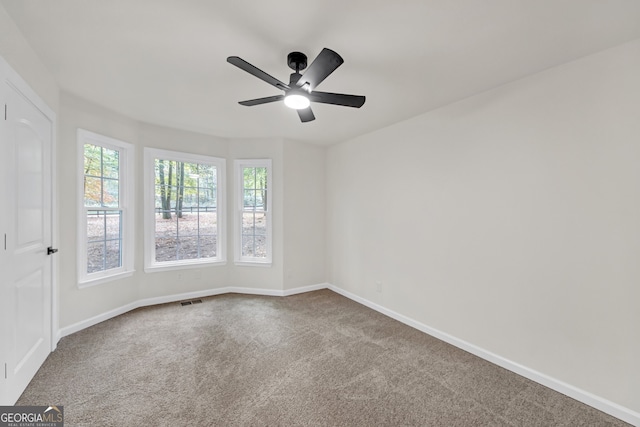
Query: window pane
{"points": [[92, 191], [104, 240], [208, 246], [188, 228], [166, 249], [248, 223], [261, 246], [260, 178], [113, 255], [113, 224], [101, 173], [249, 175], [95, 257], [208, 232], [92, 160], [254, 234], [255, 187], [260, 223], [188, 247], [208, 222], [110, 163], [95, 226], [206, 197], [261, 198], [255, 178], [186, 223], [110, 195], [254, 246], [166, 236], [249, 199]]}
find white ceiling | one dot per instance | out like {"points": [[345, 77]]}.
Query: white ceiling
{"points": [[164, 61]]}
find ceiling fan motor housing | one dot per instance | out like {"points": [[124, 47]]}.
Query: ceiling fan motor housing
{"points": [[297, 61]]}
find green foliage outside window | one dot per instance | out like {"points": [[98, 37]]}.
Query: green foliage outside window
{"points": [[186, 210], [255, 188], [181, 185], [101, 180]]}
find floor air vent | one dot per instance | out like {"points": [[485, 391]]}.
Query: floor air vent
{"points": [[195, 301]]}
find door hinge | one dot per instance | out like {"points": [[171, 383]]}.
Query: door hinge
{"points": [[5, 241], [5, 111], [5, 371]]}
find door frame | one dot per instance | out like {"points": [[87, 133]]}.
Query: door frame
{"points": [[8, 76]]}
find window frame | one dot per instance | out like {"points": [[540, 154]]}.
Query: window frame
{"points": [[239, 259], [126, 185], [150, 263]]}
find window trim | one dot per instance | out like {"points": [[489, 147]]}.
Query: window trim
{"points": [[126, 185], [150, 263], [239, 165]]}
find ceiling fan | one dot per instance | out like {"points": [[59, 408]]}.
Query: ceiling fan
{"points": [[300, 91]]}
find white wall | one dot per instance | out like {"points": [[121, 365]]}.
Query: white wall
{"points": [[15, 49], [304, 210], [510, 220]]}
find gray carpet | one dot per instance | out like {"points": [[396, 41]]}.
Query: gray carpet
{"points": [[315, 359]]}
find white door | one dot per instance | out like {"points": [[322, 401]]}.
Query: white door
{"points": [[26, 235]]}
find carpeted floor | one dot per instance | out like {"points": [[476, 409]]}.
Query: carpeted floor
{"points": [[315, 359]]}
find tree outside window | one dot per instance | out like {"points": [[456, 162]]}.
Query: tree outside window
{"points": [[186, 210], [184, 213], [253, 223]]}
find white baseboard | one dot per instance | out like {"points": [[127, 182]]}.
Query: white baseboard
{"points": [[304, 289], [83, 324], [68, 330], [580, 395]]}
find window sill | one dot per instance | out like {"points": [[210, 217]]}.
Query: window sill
{"points": [[87, 283], [159, 267], [252, 264]]}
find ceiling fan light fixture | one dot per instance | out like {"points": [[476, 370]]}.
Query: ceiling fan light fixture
{"points": [[296, 101], [300, 90]]}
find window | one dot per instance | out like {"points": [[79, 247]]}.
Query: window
{"points": [[105, 243], [253, 212], [184, 209]]}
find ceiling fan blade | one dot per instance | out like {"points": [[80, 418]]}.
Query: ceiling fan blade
{"points": [[244, 65], [306, 115], [258, 101], [337, 99], [324, 64]]}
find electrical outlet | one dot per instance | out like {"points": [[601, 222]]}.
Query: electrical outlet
{"points": [[379, 286]]}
